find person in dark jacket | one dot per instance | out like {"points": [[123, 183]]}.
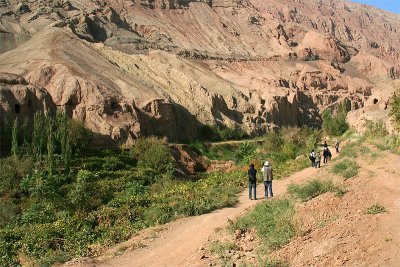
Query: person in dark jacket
{"points": [[252, 174], [327, 154]]}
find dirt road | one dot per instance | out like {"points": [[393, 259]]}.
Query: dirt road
{"points": [[180, 242]]}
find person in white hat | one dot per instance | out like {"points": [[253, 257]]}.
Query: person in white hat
{"points": [[268, 177]]}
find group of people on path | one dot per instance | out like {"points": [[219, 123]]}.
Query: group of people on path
{"points": [[326, 153], [267, 174]]}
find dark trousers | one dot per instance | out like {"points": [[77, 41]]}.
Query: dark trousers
{"points": [[325, 159], [313, 163]]}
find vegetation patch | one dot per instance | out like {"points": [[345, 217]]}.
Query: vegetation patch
{"points": [[375, 209], [222, 250], [273, 222], [335, 125], [346, 168], [313, 188]]}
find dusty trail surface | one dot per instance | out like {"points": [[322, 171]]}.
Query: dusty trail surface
{"points": [[180, 243]]}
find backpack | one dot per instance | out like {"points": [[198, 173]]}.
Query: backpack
{"points": [[252, 176]]}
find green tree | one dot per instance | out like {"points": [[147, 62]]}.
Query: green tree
{"points": [[334, 125], [395, 110], [14, 139], [82, 191], [153, 153], [50, 146], [38, 135]]}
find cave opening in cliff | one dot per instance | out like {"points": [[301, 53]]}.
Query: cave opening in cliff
{"points": [[17, 108], [376, 101]]}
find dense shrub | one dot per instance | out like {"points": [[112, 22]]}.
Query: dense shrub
{"points": [[79, 136], [13, 170], [9, 212], [235, 133], [153, 153], [273, 142], [334, 125], [82, 193], [245, 153]]}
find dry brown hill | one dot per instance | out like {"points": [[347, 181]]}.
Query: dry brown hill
{"points": [[158, 67]]}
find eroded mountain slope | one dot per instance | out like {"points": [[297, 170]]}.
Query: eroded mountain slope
{"points": [[139, 68]]}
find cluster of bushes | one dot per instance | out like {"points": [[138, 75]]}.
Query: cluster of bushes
{"points": [[49, 216]]}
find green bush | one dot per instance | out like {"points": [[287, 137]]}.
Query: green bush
{"points": [[245, 153], [13, 170], [273, 221], [346, 168], [82, 193], [312, 189], [79, 136], [375, 129], [375, 209], [235, 133], [153, 153], [39, 213], [9, 212], [334, 125], [273, 142]]}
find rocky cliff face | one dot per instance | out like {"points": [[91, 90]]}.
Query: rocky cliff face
{"points": [[168, 67]]}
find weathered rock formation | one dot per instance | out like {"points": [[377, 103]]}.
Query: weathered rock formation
{"points": [[167, 67], [19, 99]]}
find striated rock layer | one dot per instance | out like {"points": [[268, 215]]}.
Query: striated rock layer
{"points": [[168, 67]]}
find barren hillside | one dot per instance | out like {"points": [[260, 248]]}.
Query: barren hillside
{"points": [[167, 68]]}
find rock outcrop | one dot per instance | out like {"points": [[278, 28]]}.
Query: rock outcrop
{"points": [[168, 67]]}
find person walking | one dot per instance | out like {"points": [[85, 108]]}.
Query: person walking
{"points": [[318, 160], [268, 177], [252, 174], [326, 155], [312, 158], [337, 146]]}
